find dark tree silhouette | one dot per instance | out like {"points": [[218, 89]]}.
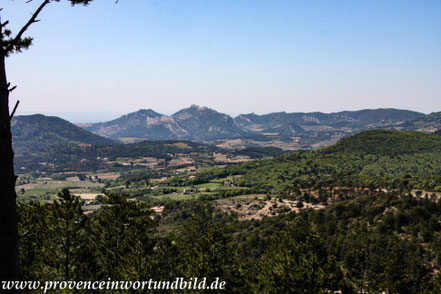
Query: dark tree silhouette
{"points": [[9, 44]]}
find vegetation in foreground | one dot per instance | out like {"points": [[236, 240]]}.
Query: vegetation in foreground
{"points": [[372, 242]]}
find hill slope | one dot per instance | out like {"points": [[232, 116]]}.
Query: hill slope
{"points": [[385, 157], [425, 123], [35, 131]]}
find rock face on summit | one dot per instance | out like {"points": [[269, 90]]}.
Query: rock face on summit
{"points": [[193, 123], [298, 130], [202, 123], [145, 123]]}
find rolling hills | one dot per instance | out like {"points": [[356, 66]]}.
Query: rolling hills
{"points": [[426, 123], [367, 118], [381, 158]]}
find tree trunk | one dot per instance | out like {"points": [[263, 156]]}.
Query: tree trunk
{"points": [[8, 212]]}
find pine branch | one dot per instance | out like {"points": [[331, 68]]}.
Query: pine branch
{"points": [[13, 111], [12, 89], [17, 40]]}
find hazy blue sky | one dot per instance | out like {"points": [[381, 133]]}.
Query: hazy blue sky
{"points": [[234, 56]]}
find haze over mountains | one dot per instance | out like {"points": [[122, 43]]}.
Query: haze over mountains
{"points": [[289, 131]]}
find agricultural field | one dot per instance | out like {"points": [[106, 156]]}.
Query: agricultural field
{"points": [[46, 188]]}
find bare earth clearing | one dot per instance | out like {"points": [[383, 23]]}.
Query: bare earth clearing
{"points": [[250, 208]]}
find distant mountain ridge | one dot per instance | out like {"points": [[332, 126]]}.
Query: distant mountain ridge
{"points": [[193, 123], [337, 119], [289, 131], [298, 130], [144, 123]]}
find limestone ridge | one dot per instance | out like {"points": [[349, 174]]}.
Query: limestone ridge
{"points": [[203, 123], [193, 123], [200, 123]]}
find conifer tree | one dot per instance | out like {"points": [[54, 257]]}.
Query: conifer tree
{"points": [[123, 237], [33, 240], [205, 251], [68, 234], [297, 262], [11, 43]]}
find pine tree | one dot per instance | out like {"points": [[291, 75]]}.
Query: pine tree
{"points": [[123, 237], [204, 250], [68, 234], [297, 262], [9, 43], [33, 240]]}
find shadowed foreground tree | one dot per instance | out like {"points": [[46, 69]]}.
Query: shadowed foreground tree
{"points": [[9, 44], [204, 250], [297, 262], [33, 232], [123, 236], [69, 230]]}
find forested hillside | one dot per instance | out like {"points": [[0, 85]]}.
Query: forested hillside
{"points": [[382, 158], [370, 242], [70, 157], [36, 131]]}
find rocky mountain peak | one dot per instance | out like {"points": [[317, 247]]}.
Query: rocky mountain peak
{"points": [[197, 107]]}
